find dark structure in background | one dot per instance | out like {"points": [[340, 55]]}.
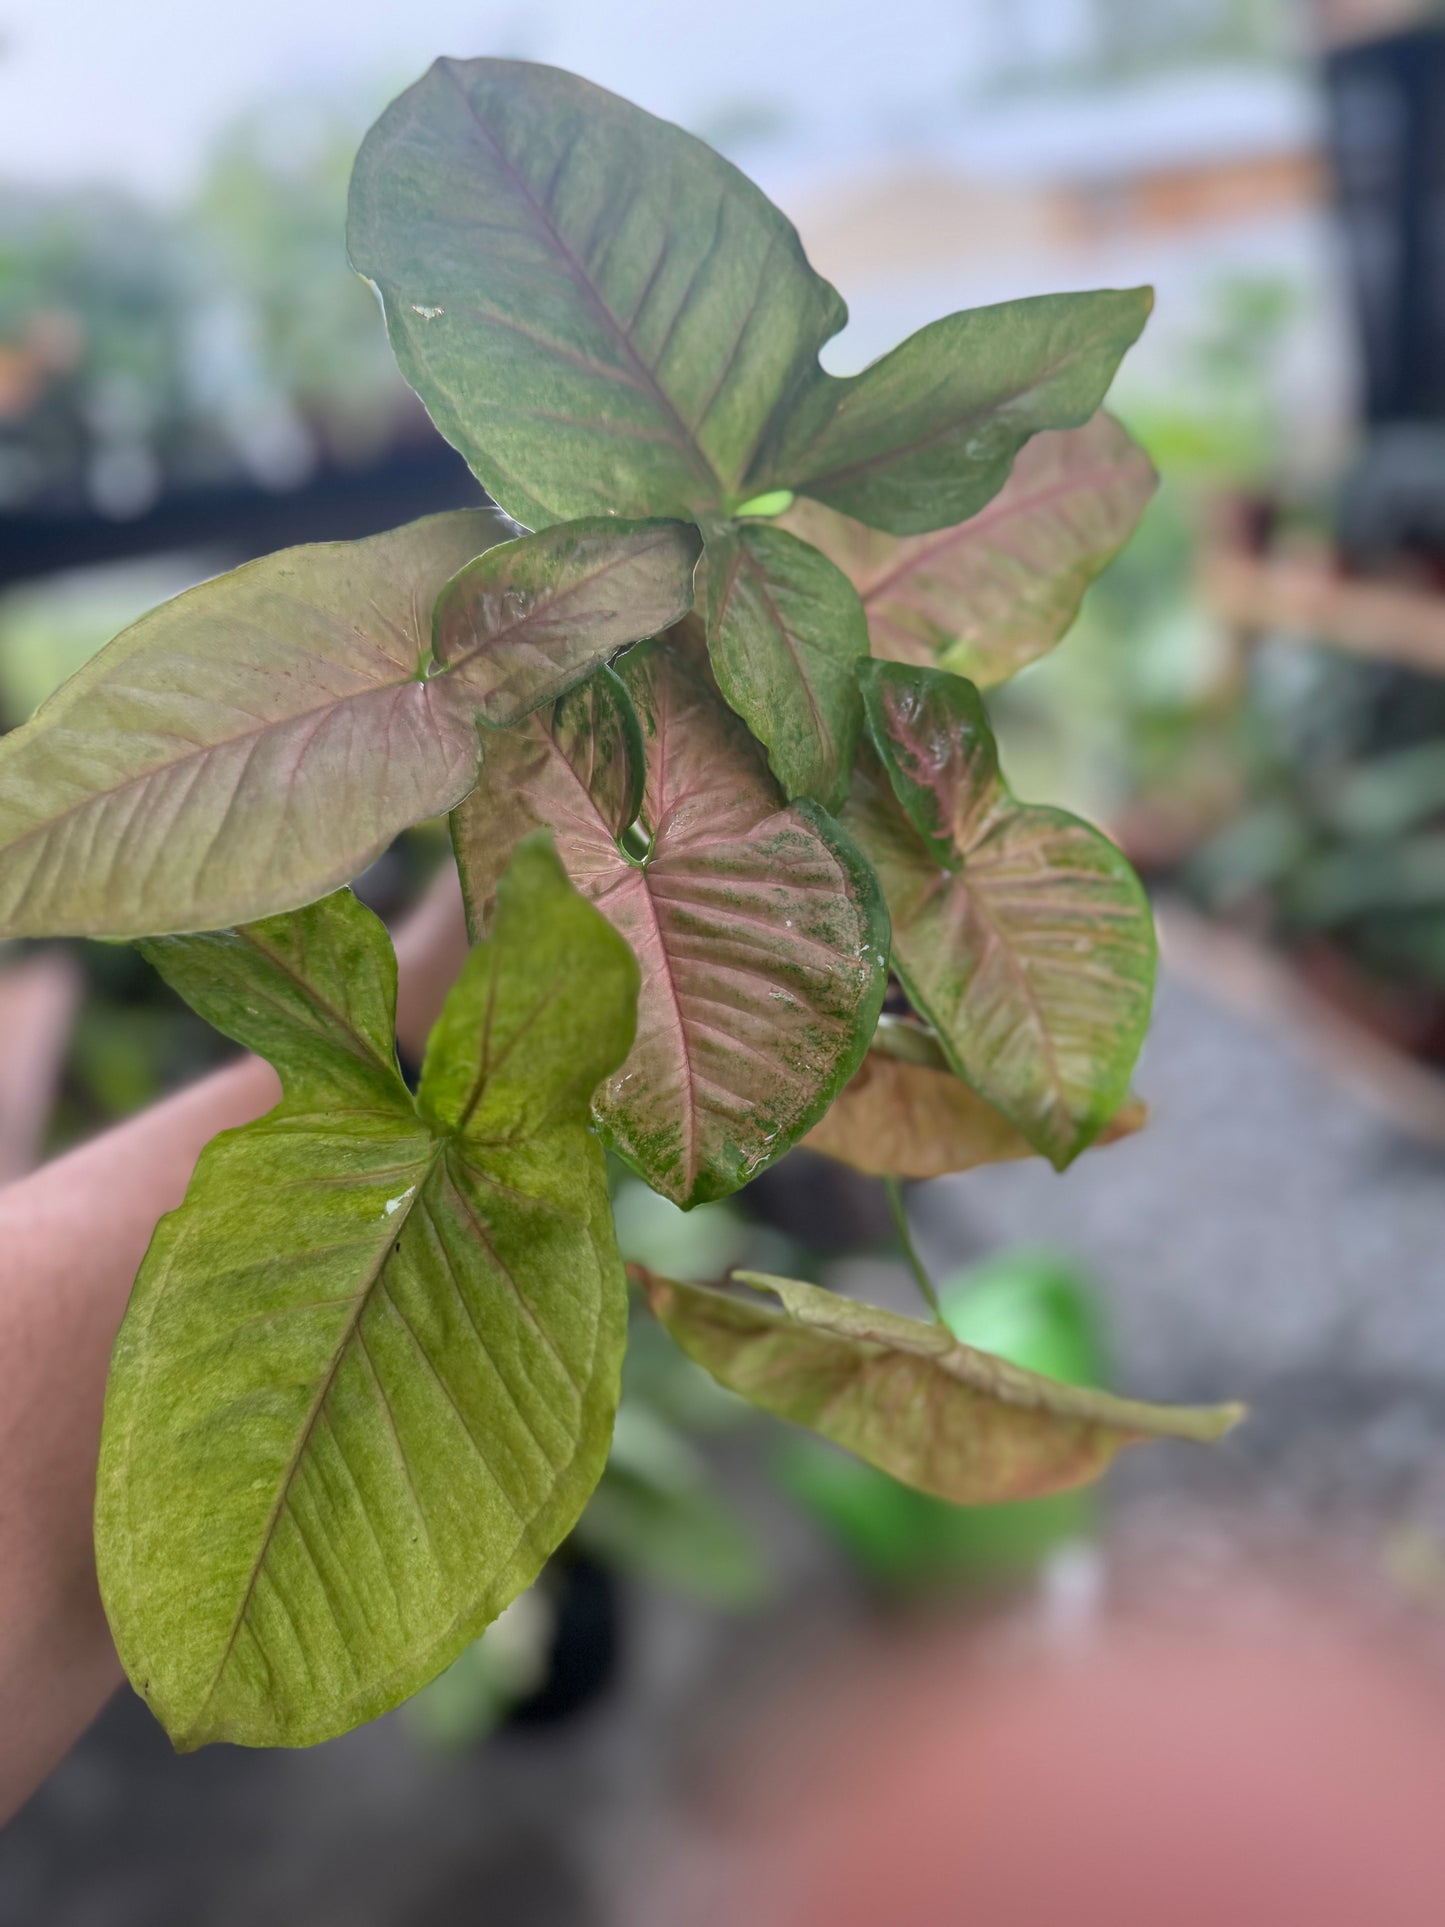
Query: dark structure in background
{"points": [[416, 476], [1386, 103]]}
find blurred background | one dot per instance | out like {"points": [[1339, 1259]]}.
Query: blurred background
{"points": [[1253, 702]]}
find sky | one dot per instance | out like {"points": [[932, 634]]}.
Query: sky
{"points": [[131, 91], [134, 92]]}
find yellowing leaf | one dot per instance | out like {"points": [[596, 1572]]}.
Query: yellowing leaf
{"points": [[905, 1119], [907, 1396], [760, 932]]}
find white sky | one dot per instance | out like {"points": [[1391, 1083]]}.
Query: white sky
{"points": [[132, 90]]}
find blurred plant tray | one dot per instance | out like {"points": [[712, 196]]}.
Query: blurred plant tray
{"points": [[1302, 588]]}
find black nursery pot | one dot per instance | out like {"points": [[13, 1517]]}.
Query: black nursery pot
{"points": [[586, 1644]]}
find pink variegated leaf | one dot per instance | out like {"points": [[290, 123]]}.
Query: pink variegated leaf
{"points": [[1020, 933], [526, 621], [992, 594], [247, 747], [760, 931]]}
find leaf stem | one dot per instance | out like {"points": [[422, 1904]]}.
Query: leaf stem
{"points": [[893, 1191]]}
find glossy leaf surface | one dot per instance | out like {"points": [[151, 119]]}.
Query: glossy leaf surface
{"points": [[760, 932], [904, 1114], [908, 1397], [369, 1369], [604, 316], [926, 435], [786, 633], [245, 747], [600, 312], [1020, 933], [996, 592], [526, 621]]}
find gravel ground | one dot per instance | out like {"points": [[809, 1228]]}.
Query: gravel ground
{"points": [[1267, 1238]]}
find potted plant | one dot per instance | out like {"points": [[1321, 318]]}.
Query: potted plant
{"points": [[693, 694]]}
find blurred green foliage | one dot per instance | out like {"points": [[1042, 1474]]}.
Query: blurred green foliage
{"points": [[141, 347], [1310, 805], [1123, 708]]}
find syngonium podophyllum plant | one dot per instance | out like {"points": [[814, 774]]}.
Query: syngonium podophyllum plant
{"points": [[701, 696]]}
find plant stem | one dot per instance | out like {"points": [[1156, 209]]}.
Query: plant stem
{"points": [[893, 1190]]}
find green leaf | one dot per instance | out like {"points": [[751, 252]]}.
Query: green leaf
{"points": [[529, 619], [760, 931], [1020, 933], [904, 1119], [908, 1397], [245, 747], [369, 1370], [600, 312], [925, 436], [772, 503], [993, 594], [786, 633]]}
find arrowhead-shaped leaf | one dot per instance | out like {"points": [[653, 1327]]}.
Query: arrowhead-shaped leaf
{"points": [[1020, 933], [599, 311], [605, 317], [905, 1115], [526, 621], [925, 436], [369, 1370], [909, 1397], [259, 740], [786, 634], [243, 748], [998, 591], [760, 931]]}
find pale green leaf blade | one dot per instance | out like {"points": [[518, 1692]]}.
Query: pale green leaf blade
{"points": [[523, 623], [598, 311], [993, 594], [909, 1397], [313, 992], [786, 634], [244, 748], [760, 931], [514, 1048], [926, 435], [368, 1374], [1021, 934]]}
